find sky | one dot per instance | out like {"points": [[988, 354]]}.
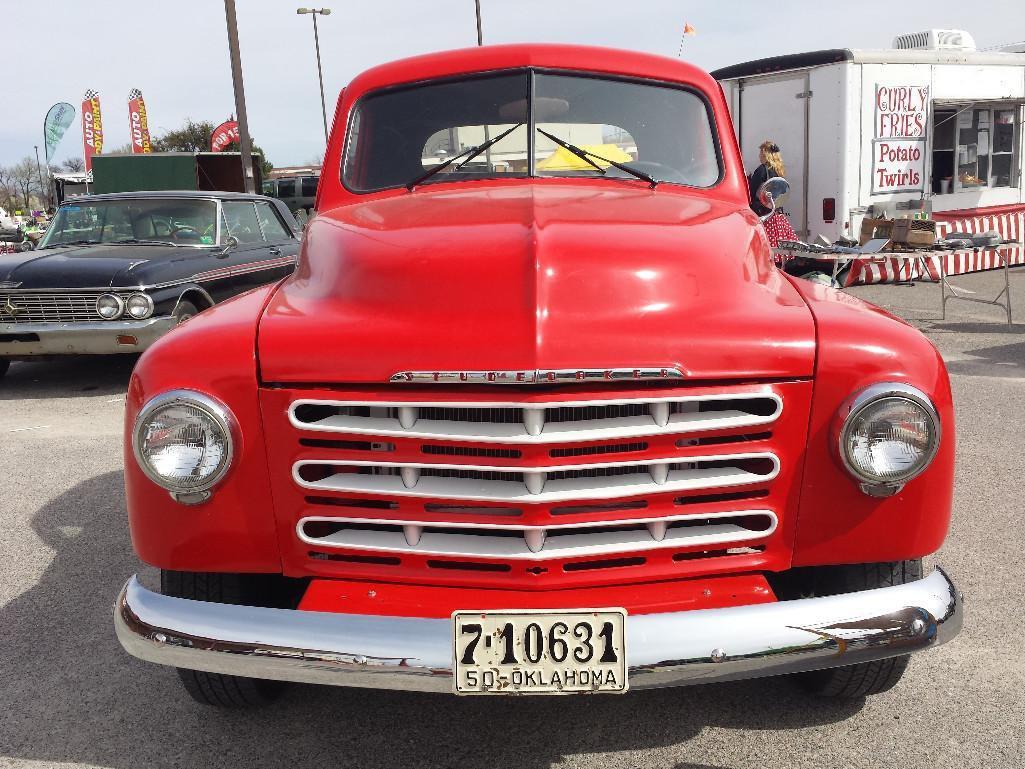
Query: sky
{"points": [[177, 54]]}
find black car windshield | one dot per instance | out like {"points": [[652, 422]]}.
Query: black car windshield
{"points": [[134, 220], [397, 135]]}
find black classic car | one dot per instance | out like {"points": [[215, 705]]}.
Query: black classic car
{"points": [[115, 272]]}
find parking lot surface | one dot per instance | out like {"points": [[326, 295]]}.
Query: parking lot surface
{"points": [[69, 696]]}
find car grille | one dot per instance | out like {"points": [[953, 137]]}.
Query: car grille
{"points": [[554, 488], [43, 307]]}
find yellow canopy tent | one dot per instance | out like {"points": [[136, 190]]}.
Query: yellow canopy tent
{"points": [[564, 160]]}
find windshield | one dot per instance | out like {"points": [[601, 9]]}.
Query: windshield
{"points": [[175, 222], [396, 137]]}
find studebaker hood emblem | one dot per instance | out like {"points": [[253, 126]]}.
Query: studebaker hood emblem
{"points": [[539, 376]]}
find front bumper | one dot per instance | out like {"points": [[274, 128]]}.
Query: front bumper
{"points": [[93, 338], [414, 654]]}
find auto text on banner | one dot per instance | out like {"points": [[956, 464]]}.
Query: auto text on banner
{"points": [[138, 123], [92, 128]]}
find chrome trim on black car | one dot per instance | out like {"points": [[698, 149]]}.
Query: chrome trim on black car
{"points": [[94, 337]]}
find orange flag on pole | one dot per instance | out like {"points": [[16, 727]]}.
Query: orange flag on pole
{"points": [[689, 30]]}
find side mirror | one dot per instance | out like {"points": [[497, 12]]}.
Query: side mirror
{"points": [[229, 245], [770, 192]]}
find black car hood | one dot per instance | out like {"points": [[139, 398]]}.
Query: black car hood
{"points": [[101, 266]]}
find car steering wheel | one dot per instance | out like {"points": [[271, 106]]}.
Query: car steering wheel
{"points": [[191, 232]]}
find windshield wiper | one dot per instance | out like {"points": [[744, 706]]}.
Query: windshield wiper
{"points": [[469, 153], [72, 243], [143, 242], [586, 156]]}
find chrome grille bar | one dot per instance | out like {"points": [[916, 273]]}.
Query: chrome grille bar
{"points": [[483, 540], [529, 422], [536, 485]]}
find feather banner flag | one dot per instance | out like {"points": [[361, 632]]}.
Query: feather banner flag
{"points": [[138, 123], [58, 119], [92, 128]]}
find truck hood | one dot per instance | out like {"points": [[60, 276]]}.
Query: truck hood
{"points": [[540, 275], [100, 266]]}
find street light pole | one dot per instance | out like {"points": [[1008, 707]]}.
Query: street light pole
{"points": [[39, 170], [320, 72], [248, 178], [480, 35]]}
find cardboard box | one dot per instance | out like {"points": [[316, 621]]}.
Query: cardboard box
{"points": [[875, 228], [916, 233]]}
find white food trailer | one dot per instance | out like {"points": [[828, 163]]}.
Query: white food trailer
{"points": [[931, 127]]}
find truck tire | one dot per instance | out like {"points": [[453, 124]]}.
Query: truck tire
{"points": [[4, 365], [216, 689], [863, 678]]}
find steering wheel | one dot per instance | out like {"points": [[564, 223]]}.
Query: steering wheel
{"points": [[190, 233]]}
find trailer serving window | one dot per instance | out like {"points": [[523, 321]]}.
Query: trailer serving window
{"points": [[975, 146]]}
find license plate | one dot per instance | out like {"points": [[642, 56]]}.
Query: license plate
{"points": [[539, 651]]}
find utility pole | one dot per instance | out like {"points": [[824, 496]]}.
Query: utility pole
{"points": [[249, 179], [42, 187]]}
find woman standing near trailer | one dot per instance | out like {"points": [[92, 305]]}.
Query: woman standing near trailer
{"points": [[777, 226]]}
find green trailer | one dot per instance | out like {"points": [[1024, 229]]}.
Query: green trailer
{"points": [[204, 171]]}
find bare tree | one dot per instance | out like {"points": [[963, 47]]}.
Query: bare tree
{"points": [[73, 166], [25, 176], [8, 190]]}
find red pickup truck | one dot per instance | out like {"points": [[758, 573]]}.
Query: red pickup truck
{"points": [[537, 413]]}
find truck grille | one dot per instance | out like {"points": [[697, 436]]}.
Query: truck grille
{"points": [[519, 423], [41, 307], [557, 488]]}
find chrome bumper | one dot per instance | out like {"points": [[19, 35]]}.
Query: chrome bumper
{"points": [[92, 338], [414, 654]]}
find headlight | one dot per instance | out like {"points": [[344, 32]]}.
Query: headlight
{"points": [[183, 442], [890, 434], [139, 306], [110, 306]]}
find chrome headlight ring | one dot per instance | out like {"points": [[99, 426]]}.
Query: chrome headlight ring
{"points": [[139, 306], [878, 396], [112, 302], [208, 413]]}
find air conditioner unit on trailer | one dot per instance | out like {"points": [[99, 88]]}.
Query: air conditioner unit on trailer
{"points": [[936, 40]]}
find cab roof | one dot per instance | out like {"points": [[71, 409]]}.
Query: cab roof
{"points": [[583, 58]]}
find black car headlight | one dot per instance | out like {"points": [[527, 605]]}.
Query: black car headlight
{"points": [[139, 306], [890, 433], [110, 306]]}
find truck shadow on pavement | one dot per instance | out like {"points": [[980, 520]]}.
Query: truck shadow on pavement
{"points": [[68, 377], [70, 694]]}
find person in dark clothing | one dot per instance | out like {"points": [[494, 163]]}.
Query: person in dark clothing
{"points": [[771, 165]]}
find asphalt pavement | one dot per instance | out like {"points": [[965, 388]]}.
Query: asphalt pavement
{"points": [[69, 696]]}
